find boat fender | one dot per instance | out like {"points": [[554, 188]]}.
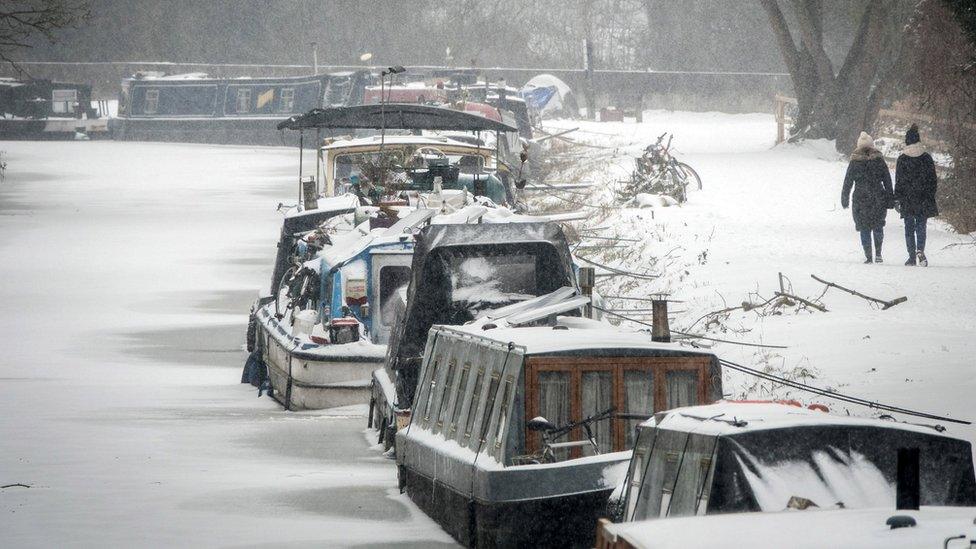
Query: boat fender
{"points": [[255, 371]]}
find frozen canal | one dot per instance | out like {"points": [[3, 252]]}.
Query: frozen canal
{"points": [[126, 272]]}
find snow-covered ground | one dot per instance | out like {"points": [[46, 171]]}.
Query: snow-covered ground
{"points": [[765, 210], [126, 271]]}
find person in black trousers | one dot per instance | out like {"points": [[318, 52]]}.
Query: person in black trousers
{"points": [[868, 176], [915, 186]]}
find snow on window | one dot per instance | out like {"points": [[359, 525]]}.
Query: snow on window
{"points": [[459, 398], [431, 386], [394, 280], [638, 399], [151, 105], [489, 404], [682, 387], [492, 280], [446, 394], [502, 418], [243, 100], [286, 100]]}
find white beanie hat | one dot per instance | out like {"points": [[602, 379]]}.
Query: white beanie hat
{"points": [[864, 140]]}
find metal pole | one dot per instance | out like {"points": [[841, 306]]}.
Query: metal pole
{"points": [[301, 156], [315, 58], [318, 156]]}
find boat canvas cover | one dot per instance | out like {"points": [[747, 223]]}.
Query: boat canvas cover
{"points": [[762, 461], [430, 290], [854, 466], [394, 116]]}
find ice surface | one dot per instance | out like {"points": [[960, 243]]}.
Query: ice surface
{"points": [[126, 274]]}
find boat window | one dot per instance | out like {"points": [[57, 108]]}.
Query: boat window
{"points": [[554, 402], [151, 105], [286, 100], [503, 417], [708, 472], [638, 400], [637, 473], [669, 475], [658, 482], [462, 387], [446, 394], [393, 278], [597, 397], [489, 404], [495, 279], [431, 385], [473, 407], [682, 388], [243, 100], [691, 476]]}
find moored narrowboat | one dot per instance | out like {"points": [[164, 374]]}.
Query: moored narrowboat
{"points": [[196, 108], [484, 453], [458, 273], [40, 109], [745, 457]]}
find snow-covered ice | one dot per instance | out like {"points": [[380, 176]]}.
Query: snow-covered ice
{"points": [[127, 270]]}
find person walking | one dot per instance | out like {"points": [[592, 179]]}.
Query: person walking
{"points": [[868, 176], [915, 186]]}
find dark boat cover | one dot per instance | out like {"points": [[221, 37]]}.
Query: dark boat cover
{"points": [[393, 116], [429, 296]]}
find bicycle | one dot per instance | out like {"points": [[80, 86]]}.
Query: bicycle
{"points": [[657, 171], [552, 433]]}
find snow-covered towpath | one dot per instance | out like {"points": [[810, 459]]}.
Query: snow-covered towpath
{"points": [[126, 272], [766, 210]]}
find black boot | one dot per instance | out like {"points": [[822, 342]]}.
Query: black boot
{"points": [[922, 260], [877, 257], [868, 259]]}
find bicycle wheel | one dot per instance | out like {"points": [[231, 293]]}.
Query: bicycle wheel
{"points": [[694, 180], [283, 297]]}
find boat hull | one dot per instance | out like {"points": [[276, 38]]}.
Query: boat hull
{"points": [[565, 520], [302, 381]]}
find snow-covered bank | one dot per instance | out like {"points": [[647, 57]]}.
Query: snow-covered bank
{"points": [[766, 210], [127, 270]]}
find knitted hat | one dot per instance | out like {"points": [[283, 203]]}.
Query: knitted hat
{"points": [[911, 136], [864, 141]]}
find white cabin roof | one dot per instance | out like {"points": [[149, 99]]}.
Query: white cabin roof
{"points": [[854, 528], [717, 419], [581, 333], [422, 140]]}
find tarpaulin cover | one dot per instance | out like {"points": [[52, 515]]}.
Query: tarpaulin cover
{"points": [[394, 116], [429, 297]]}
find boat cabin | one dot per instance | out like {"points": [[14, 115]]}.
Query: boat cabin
{"points": [[519, 431], [739, 457]]}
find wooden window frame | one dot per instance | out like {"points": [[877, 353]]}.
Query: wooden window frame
{"points": [[576, 365]]}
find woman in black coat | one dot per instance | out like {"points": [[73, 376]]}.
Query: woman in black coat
{"points": [[868, 176], [915, 186]]}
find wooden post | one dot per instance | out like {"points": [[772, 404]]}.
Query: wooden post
{"points": [[587, 279], [660, 329], [588, 77]]}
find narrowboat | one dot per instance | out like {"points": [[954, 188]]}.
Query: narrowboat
{"points": [[46, 110], [458, 273], [345, 257], [733, 457], [522, 421], [196, 108]]}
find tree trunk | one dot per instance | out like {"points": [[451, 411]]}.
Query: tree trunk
{"points": [[830, 105]]}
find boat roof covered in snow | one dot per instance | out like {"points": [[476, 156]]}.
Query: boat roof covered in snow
{"points": [[747, 456], [394, 116], [852, 528], [573, 334]]}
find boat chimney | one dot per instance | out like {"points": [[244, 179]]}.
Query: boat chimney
{"points": [[587, 279], [907, 489], [660, 329]]}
